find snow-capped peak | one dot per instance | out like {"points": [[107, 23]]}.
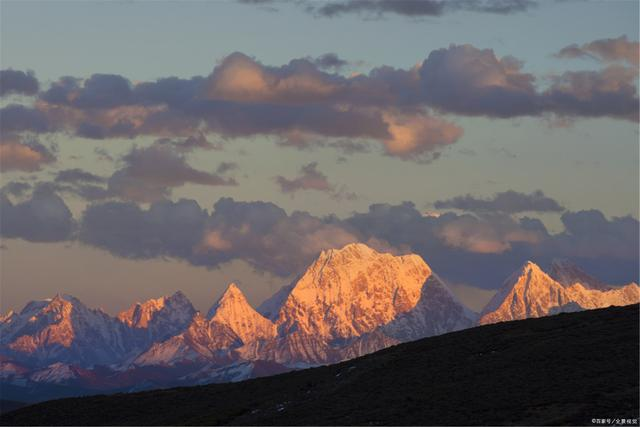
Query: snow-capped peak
{"points": [[528, 292], [176, 307], [351, 291], [233, 310]]}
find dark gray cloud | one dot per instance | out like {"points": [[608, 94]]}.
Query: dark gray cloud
{"points": [[124, 229], [43, 218], [606, 50], [76, 175], [225, 167], [418, 8], [18, 118], [191, 143], [15, 188], [330, 61], [257, 232], [467, 80], [98, 91], [23, 153], [506, 202], [489, 247], [151, 173], [310, 178], [479, 249], [18, 82], [610, 92]]}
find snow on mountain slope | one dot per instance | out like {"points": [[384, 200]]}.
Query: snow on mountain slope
{"points": [[55, 373], [593, 298], [64, 330], [160, 313], [236, 371], [156, 320], [528, 292], [234, 311], [437, 312], [567, 273], [348, 303], [203, 340], [351, 291], [295, 349]]}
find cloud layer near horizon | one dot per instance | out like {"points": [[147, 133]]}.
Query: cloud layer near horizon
{"points": [[488, 245]]}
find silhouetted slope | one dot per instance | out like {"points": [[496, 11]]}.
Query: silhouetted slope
{"points": [[564, 369]]}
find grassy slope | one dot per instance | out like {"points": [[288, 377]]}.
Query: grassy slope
{"points": [[564, 369]]}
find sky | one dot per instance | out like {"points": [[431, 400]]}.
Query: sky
{"points": [[150, 147]]}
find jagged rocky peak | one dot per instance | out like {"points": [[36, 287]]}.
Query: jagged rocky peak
{"points": [[351, 291], [567, 274], [177, 306], [233, 310]]}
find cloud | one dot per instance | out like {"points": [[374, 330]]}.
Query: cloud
{"points": [[330, 61], [18, 118], [610, 92], [301, 104], [43, 218], [265, 236], [588, 234], [466, 80], [191, 143], [480, 249], [78, 176], [506, 202], [418, 8], [18, 82], [27, 155], [620, 49], [489, 235], [98, 91], [151, 173], [310, 178], [15, 188], [416, 137], [257, 232], [124, 229], [470, 81], [225, 167]]}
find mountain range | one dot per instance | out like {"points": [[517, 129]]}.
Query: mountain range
{"points": [[349, 302]]}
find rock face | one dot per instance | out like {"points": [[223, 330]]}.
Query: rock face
{"points": [[530, 292], [349, 302]]}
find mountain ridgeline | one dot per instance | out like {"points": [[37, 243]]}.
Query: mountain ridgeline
{"points": [[546, 371], [348, 303]]}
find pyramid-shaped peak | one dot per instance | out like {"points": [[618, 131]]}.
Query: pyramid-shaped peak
{"points": [[232, 291], [230, 297], [530, 266]]}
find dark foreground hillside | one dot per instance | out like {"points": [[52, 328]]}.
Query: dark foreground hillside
{"points": [[565, 369]]}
